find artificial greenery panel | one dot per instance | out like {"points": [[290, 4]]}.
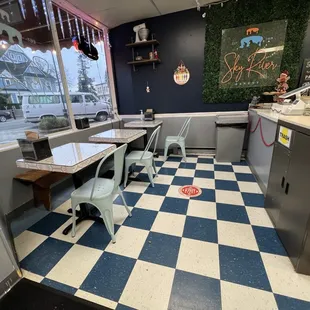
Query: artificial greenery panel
{"points": [[248, 12]]}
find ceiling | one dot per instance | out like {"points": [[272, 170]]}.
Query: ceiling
{"points": [[113, 13]]}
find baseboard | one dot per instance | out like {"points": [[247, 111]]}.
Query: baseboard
{"points": [[200, 151], [205, 151]]}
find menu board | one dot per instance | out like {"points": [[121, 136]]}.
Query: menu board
{"points": [[305, 76], [251, 55]]}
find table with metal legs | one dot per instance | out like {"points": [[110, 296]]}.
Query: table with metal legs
{"points": [[72, 158], [146, 125]]}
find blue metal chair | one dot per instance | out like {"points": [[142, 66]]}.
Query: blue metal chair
{"points": [[99, 192], [145, 157], [179, 139]]}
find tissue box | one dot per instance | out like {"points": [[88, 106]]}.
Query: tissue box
{"points": [[35, 149], [82, 123], [149, 115]]}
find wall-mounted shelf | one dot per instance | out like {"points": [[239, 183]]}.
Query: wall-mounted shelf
{"points": [[133, 46], [143, 43], [144, 62]]}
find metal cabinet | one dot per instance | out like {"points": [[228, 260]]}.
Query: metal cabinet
{"points": [[277, 177], [287, 200], [294, 215]]}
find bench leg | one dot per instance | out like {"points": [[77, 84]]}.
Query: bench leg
{"points": [[42, 195]]}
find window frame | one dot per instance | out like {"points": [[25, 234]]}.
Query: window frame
{"points": [[108, 60], [107, 51]]}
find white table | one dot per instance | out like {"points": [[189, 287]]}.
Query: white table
{"points": [[120, 136], [71, 158], [144, 125]]}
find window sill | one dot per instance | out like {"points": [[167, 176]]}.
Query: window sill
{"points": [[14, 144], [98, 124]]}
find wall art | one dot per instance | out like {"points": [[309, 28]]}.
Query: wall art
{"points": [[251, 56], [181, 75]]}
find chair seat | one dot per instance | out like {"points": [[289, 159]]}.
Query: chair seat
{"points": [[175, 139], [136, 155], [103, 188]]}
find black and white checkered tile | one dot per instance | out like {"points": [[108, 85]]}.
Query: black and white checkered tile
{"points": [[215, 251]]}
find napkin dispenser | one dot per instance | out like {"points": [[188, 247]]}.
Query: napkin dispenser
{"points": [[35, 149], [82, 122], [149, 115]]}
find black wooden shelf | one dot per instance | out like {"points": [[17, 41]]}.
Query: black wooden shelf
{"points": [[144, 62], [152, 43], [143, 43]]}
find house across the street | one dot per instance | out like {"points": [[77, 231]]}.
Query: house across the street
{"points": [[20, 75]]}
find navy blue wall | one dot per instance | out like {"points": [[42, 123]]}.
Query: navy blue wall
{"points": [[182, 37]]}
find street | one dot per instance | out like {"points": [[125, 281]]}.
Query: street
{"points": [[14, 129]]}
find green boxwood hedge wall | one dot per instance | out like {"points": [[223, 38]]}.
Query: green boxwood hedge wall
{"points": [[246, 12]]}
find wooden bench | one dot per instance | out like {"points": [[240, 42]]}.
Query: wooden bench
{"points": [[41, 183]]}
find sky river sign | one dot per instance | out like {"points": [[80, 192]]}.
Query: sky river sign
{"points": [[251, 55]]}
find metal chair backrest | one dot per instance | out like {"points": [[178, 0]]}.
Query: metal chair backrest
{"points": [[119, 155], [185, 128], [154, 135]]}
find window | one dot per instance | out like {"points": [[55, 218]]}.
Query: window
{"points": [[43, 99], [35, 84], [7, 82], [29, 71], [11, 56], [76, 98], [48, 85], [90, 98], [89, 77], [33, 70], [33, 99]]}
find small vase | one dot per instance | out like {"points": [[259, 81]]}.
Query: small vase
{"points": [[143, 34]]}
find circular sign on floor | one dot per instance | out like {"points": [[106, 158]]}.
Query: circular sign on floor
{"points": [[190, 191]]}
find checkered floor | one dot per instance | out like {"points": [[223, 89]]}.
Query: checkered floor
{"points": [[215, 251]]}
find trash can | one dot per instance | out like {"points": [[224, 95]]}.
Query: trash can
{"points": [[230, 131]]}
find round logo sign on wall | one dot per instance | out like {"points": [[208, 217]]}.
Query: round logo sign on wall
{"points": [[181, 74], [190, 191]]}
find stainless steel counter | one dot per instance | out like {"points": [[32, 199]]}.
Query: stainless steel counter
{"points": [[259, 155], [298, 120]]}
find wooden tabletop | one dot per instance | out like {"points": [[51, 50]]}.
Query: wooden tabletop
{"points": [[117, 136], [69, 158], [143, 124]]}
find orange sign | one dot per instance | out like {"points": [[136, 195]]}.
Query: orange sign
{"points": [[190, 191]]}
